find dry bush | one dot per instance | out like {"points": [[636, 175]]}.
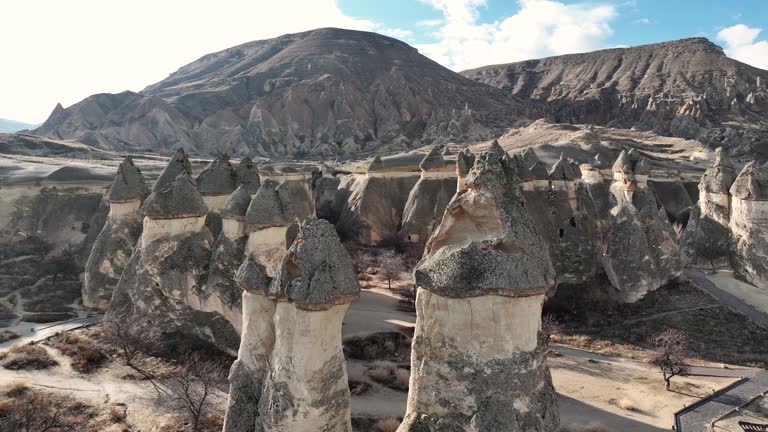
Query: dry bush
{"points": [[117, 413], [627, 404], [17, 388], [85, 355], [589, 427], [41, 412], [193, 387], [391, 265], [388, 424], [381, 373], [402, 379], [27, 357]]}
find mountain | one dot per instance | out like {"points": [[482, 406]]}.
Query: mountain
{"points": [[319, 93], [10, 126], [687, 88]]}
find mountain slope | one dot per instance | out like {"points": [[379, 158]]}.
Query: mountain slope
{"points": [[10, 126], [686, 88], [323, 92]]}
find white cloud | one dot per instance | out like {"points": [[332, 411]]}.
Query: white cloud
{"points": [[429, 23], [397, 33], [642, 21], [741, 44], [540, 28], [63, 51]]}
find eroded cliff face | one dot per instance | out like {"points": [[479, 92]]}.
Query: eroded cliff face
{"points": [[686, 88], [749, 224], [323, 92]]}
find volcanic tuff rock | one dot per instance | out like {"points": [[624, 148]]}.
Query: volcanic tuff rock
{"points": [[749, 224], [686, 88], [481, 286], [163, 281], [178, 164], [114, 245], [321, 92], [306, 388]]}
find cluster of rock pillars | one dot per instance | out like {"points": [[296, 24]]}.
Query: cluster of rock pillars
{"points": [[253, 264]]}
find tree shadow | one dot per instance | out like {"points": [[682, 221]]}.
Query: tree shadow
{"points": [[573, 411]]}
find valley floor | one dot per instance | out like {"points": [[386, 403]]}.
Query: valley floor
{"points": [[622, 393]]}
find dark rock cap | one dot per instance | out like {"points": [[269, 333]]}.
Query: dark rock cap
{"points": [[575, 168], [176, 200], [317, 271], [237, 204], [752, 183], [265, 208], [218, 178], [539, 171], [247, 174], [176, 165], [622, 163], [464, 162], [433, 160], [561, 170], [523, 170], [447, 151], [642, 166], [722, 159], [252, 276], [487, 242], [128, 184], [376, 165], [496, 148], [529, 157]]}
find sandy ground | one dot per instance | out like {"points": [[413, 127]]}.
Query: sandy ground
{"points": [[750, 294]]}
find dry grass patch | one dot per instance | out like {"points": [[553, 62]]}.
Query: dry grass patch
{"points": [[86, 356], [402, 379], [381, 373], [27, 357], [16, 388], [388, 425], [37, 411]]}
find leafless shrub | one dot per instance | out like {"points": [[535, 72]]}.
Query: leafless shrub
{"points": [[194, 384], [550, 326], [671, 349], [407, 302], [17, 388], [66, 262], [39, 412], [381, 373], [117, 413], [402, 379], [85, 355], [388, 424], [627, 404], [391, 265]]}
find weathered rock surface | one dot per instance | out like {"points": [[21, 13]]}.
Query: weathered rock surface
{"points": [[179, 163], [322, 92], [306, 388], [427, 200], [477, 361], [166, 274], [749, 224], [686, 88], [114, 244]]}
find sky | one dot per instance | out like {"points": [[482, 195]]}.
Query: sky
{"points": [[55, 51]]}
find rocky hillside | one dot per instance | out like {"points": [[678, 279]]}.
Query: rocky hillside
{"points": [[324, 92], [686, 88]]}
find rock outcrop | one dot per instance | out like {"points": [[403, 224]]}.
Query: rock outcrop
{"points": [[215, 183], [166, 274], [269, 219], [641, 252], [477, 361], [749, 224], [306, 388], [114, 245], [706, 240], [247, 173], [428, 198], [686, 88], [221, 293]]}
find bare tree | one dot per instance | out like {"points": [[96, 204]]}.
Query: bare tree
{"points": [[64, 263], [671, 349], [132, 337], [196, 381], [391, 265], [550, 326], [38, 413]]}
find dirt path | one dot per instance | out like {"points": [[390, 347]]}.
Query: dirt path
{"points": [[703, 282]]}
